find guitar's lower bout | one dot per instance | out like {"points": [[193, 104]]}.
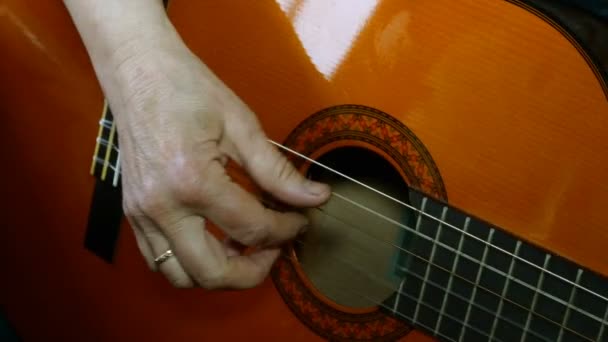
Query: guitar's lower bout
{"points": [[340, 278], [511, 107]]}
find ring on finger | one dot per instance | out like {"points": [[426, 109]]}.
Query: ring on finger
{"points": [[163, 257]]}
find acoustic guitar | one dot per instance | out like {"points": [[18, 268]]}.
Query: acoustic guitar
{"points": [[466, 143]]}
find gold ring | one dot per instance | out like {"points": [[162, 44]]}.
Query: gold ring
{"points": [[164, 257]]}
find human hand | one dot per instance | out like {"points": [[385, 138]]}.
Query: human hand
{"points": [[178, 124]]}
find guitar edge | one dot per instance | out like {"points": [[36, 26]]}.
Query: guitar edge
{"points": [[511, 118]]}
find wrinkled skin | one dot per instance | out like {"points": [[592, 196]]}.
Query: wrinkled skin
{"points": [[178, 124]]}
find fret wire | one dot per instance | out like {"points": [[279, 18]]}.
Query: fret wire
{"points": [[504, 290], [478, 306], [415, 299], [477, 279], [579, 273], [535, 298], [107, 123], [405, 294], [103, 162], [424, 325], [451, 276], [430, 216], [405, 227], [458, 253], [419, 218], [104, 113], [104, 142], [397, 297], [379, 303], [603, 325], [108, 151], [116, 170], [428, 265]]}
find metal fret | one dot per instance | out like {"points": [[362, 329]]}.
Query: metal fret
{"points": [[486, 245], [108, 151], [106, 158], [504, 291], [420, 324], [538, 286], [481, 267], [471, 303], [419, 218], [428, 266], [451, 278], [104, 142], [110, 166], [600, 335], [107, 121], [510, 278], [488, 312], [567, 314], [116, 171], [398, 296]]}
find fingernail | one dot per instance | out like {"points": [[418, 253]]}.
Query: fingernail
{"points": [[317, 189]]}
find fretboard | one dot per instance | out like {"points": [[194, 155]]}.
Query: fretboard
{"points": [[106, 158], [464, 280]]}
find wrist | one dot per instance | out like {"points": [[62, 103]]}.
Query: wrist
{"points": [[124, 40]]}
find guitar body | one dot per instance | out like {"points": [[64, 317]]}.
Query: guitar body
{"points": [[486, 105]]}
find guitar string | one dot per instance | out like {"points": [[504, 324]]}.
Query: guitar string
{"points": [[403, 315], [451, 273], [567, 281], [103, 141], [399, 292], [471, 258]]}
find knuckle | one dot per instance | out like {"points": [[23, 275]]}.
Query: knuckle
{"points": [[147, 200], [286, 171], [253, 235], [152, 205], [186, 183], [186, 188]]}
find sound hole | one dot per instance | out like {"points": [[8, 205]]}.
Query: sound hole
{"points": [[349, 253]]}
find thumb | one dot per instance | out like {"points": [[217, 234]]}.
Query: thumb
{"points": [[276, 174]]}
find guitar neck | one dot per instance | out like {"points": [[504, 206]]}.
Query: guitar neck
{"points": [[463, 279]]}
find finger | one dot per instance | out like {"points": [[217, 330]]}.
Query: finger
{"points": [[269, 167], [159, 244], [251, 270], [241, 215], [144, 248], [214, 264]]}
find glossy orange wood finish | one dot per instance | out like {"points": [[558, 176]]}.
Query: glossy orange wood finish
{"points": [[510, 110]]}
